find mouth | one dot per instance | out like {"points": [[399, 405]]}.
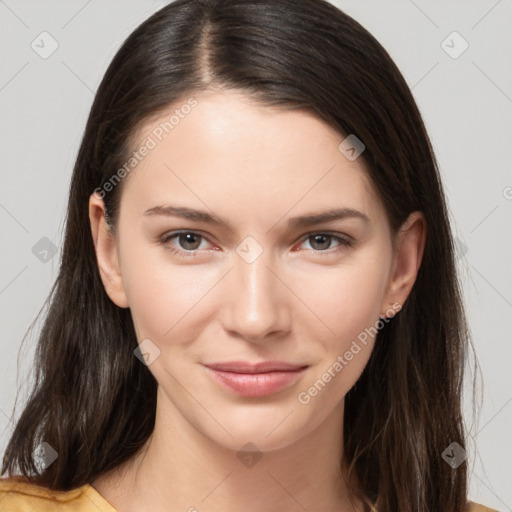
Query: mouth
{"points": [[255, 380]]}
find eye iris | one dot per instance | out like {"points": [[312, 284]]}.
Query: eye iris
{"points": [[326, 240], [186, 238]]}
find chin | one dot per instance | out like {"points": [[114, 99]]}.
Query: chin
{"points": [[267, 428]]}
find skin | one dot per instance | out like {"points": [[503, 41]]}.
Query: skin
{"points": [[301, 301]]}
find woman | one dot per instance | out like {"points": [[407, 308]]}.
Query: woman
{"points": [[201, 351]]}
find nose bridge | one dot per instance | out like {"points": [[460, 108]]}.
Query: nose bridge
{"points": [[256, 302]]}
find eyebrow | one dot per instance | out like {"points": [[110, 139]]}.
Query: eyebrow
{"points": [[295, 222]]}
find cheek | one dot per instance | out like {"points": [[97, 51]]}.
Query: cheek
{"points": [[347, 299], [347, 302], [163, 296]]}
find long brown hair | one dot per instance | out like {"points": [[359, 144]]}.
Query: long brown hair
{"points": [[92, 399]]}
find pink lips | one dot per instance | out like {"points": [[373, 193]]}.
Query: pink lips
{"points": [[254, 380]]}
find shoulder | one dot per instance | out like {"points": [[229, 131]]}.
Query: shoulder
{"points": [[17, 494], [475, 507]]}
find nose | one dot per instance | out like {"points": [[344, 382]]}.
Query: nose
{"points": [[257, 302]]}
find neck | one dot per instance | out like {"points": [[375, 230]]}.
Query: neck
{"points": [[187, 471]]}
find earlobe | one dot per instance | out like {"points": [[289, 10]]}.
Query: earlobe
{"points": [[410, 245], [106, 252]]}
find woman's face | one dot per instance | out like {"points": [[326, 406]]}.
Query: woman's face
{"points": [[247, 280]]}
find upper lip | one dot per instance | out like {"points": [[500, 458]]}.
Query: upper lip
{"points": [[246, 367]]}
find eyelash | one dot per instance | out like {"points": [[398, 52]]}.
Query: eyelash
{"points": [[164, 240]]}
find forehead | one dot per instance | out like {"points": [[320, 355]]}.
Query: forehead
{"points": [[230, 151]]}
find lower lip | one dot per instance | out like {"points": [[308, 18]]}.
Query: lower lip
{"points": [[255, 384]]}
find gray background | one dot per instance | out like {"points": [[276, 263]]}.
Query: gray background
{"points": [[466, 103]]}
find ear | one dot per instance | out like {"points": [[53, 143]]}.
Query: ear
{"points": [[106, 252], [408, 254]]}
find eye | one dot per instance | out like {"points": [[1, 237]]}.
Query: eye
{"points": [[321, 242], [188, 242]]}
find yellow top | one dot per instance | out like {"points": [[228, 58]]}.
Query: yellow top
{"points": [[17, 495]]}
